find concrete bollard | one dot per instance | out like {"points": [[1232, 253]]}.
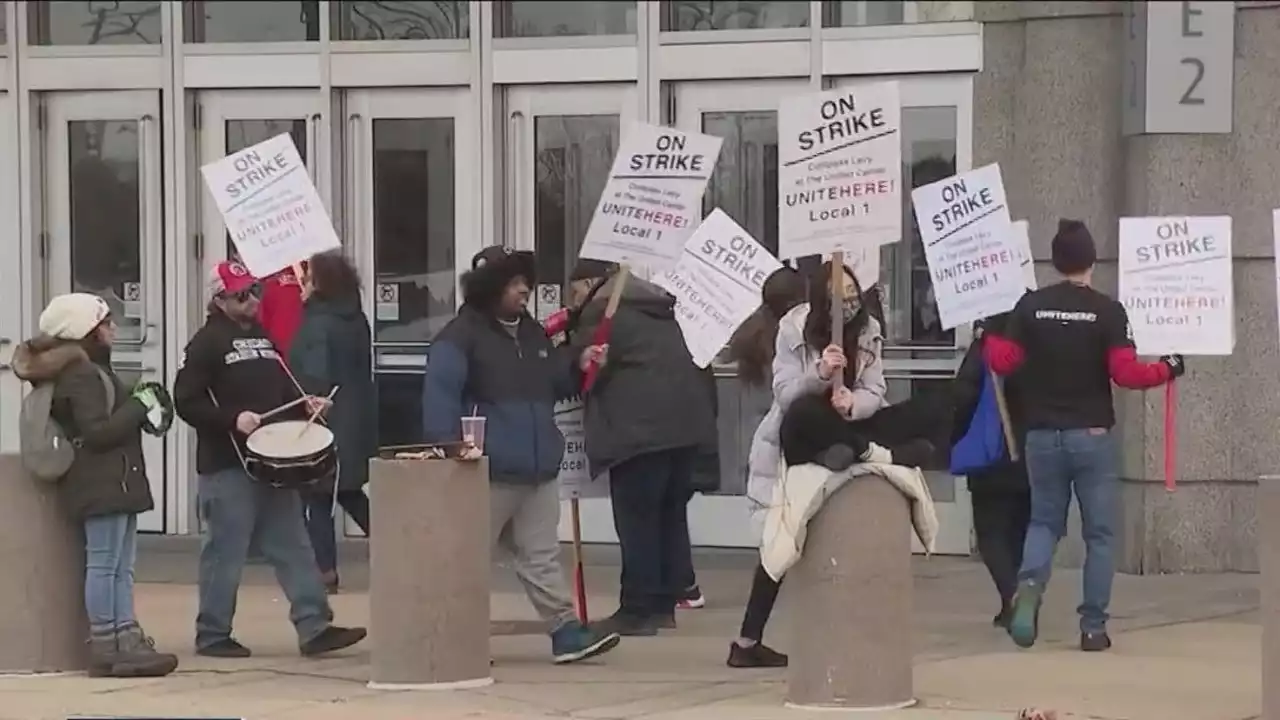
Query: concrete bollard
{"points": [[1268, 509], [850, 597], [42, 617], [429, 574]]}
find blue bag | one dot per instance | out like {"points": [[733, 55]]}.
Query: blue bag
{"points": [[982, 445]]}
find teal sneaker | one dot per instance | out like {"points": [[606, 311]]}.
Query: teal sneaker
{"points": [[1024, 625], [575, 641]]}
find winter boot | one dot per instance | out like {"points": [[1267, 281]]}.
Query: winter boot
{"points": [[136, 655]]}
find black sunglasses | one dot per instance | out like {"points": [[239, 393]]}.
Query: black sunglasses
{"points": [[254, 292]]}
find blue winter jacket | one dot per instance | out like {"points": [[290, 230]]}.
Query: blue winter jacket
{"points": [[477, 365]]}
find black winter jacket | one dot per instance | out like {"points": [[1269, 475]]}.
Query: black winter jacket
{"points": [[108, 475]]}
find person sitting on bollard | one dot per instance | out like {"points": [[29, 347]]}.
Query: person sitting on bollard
{"points": [[838, 425], [106, 486], [752, 347], [646, 416], [231, 375], [333, 349], [495, 361], [1071, 343], [1000, 493]]}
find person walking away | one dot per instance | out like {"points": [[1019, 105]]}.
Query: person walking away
{"points": [[494, 360], [645, 418], [334, 349], [1070, 342], [1000, 494], [106, 487], [231, 375], [752, 347]]}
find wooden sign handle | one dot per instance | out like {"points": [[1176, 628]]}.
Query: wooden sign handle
{"points": [[837, 308]]}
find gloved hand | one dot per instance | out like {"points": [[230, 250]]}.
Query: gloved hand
{"points": [[146, 395], [1177, 368]]}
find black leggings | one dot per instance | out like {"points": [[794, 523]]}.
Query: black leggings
{"points": [[764, 593], [1000, 524], [811, 426]]}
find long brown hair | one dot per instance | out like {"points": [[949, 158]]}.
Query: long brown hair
{"points": [[752, 346], [817, 326]]}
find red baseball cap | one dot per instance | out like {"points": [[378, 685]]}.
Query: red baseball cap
{"points": [[229, 278]]}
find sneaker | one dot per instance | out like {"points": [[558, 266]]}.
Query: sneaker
{"points": [[1095, 641], [332, 638], [756, 655], [837, 458], [1002, 618], [575, 641], [227, 648], [692, 599], [1024, 625], [330, 580], [137, 655], [627, 624]]}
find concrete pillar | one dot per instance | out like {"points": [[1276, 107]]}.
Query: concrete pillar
{"points": [[1269, 564], [429, 574], [42, 618], [850, 598]]}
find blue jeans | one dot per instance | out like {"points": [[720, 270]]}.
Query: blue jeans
{"points": [[110, 550], [1059, 461], [239, 512]]}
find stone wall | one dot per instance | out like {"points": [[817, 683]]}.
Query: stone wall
{"points": [[1047, 107]]}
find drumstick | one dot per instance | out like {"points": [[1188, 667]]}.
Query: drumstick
{"points": [[316, 413], [282, 408]]}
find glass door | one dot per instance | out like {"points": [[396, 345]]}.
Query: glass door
{"points": [[559, 144], [745, 186], [230, 121], [10, 275], [920, 356], [410, 225], [102, 230]]}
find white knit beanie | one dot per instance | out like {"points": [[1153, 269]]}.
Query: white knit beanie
{"points": [[73, 316]]}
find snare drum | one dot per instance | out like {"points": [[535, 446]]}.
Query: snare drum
{"points": [[292, 454]]}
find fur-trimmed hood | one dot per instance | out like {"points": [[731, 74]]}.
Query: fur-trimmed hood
{"points": [[44, 358]]}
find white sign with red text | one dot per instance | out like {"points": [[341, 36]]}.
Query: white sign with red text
{"points": [[839, 170], [717, 282], [653, 200], [574, 479], [969, 245], [1176, 284], [269, 205]]}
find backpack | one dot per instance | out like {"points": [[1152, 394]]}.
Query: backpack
{"points": [[982, 445], [47, 452]]}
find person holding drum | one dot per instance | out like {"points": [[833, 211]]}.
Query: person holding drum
{"points": [[495, 361], [233, 383]]}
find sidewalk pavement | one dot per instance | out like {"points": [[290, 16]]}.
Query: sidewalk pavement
{"points": [[1187, 648]]}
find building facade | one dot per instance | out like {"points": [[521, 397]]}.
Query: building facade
{"points": [[434, 128]]}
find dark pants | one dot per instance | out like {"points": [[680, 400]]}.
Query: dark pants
{"points": [[318, 507], [811, 426], [764, 593], [1000, 523], [650, 494]]}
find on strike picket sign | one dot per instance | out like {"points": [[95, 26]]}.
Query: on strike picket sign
{"points": [[969, 245], [1027, 261], [840, 170], [575, 479], [270, 207], [717, 283], [653, 199], [1175, 283]]}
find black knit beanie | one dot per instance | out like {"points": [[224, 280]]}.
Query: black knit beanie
{"points": [[1073, 248]]}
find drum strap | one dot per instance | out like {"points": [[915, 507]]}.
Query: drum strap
{"points": [[231, 435]]}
